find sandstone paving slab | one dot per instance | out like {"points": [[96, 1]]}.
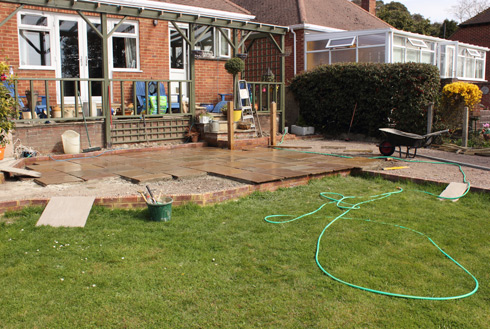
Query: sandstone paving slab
{"points": [[148, 177], [59, 178], [66, 211], [182, 173]]}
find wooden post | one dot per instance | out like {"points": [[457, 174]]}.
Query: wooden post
{"points": [[231, 126], [430, 117], [273, 120], [466, 117]]}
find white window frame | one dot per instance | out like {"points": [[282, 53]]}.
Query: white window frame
{"points": [[217, 43], [136, 35], [219, 40], [346, 44], [473, 52], [48, 28], [417, 43]]}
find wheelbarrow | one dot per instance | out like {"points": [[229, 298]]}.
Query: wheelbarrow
{"points": [[397, 138]]}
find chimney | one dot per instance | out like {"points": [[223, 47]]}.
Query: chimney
{"points": [[369, 6]]}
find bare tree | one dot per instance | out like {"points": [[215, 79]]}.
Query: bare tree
{"points": [[466, 9]]}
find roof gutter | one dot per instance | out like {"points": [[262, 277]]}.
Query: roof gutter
{"points": [[170, 7], [312, 27]]}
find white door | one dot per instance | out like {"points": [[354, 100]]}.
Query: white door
{"points": [[178, 61], [80, 56]]}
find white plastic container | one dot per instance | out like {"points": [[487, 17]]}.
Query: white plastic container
{"points": [[302, 131], [71, 142], [204, 119]]}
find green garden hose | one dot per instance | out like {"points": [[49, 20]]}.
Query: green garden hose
{"points": [[347, 207]]}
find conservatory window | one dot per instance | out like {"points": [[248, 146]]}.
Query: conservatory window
{"points": [[417, 43], [344, 42], [34, 40], [473, 52], [125, 47]]}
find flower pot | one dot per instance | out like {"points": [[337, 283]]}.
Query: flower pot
{"points": [[204, 119], [26, 115], [237, 115], [195, 138], [56, 113], [2, 152]]}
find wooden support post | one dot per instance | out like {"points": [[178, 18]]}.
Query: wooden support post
{"points": [[273, 120], [430, 117], [466, 117], [231, 126]]}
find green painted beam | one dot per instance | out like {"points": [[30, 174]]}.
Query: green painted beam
{"points": [[110, 9], [11, 15]]}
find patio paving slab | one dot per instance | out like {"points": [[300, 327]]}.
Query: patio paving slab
{"points": [[182, 173], [58, 178], [66, 211], [148, 177], [253, 166]]}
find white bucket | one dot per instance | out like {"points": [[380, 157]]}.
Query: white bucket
{"points": [[71, 142]]}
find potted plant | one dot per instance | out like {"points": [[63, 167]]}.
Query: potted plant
{"points": [[235, 66], [193, 133], [8, 106], [205, 117], [486, 131]]}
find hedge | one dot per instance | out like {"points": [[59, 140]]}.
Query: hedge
{"points": [[381, 94]]}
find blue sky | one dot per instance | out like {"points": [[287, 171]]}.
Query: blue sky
{"points": [[435, 10]]}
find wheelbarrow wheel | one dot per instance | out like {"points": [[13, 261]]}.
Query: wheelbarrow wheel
{"points": [[386, 148]]}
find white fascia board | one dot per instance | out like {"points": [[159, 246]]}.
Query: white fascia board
{"points": [[311, 27], [148, 4]]}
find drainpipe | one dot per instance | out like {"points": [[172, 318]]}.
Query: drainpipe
{"points": [[294, 48]]}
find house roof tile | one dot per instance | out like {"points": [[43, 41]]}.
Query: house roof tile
{"points": [[223, 5], [339, 14], [481, 18]]}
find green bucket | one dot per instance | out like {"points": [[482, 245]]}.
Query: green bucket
{"points": [[160, 211]]}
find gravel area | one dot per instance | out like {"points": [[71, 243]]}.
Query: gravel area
{"points": [[113, 187], [110, 187], [426, 171]]}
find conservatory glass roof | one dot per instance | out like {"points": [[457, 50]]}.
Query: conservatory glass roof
{"points": [[454, 59]]}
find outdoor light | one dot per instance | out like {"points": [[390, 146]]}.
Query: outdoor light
{"points": [[242, 56], [155, 22]]}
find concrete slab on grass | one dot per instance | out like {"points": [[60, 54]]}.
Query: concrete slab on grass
{"points": [[454, 190], [67, 211]]}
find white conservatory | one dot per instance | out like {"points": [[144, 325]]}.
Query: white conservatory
{"points": [[454, 59]]}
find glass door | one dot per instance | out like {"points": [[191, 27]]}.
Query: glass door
{"points": [[80, 57], [178, 62]]}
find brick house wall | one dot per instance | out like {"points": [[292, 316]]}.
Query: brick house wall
{"points": [[477, 35], [211, 78], [300, 54]]}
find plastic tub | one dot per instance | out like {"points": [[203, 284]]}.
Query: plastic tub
{"points": [[160, 211], [71, 142]]}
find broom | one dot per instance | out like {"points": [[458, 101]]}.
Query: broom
{"points": [[90, 149]]}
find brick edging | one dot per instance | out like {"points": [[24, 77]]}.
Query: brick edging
{"points": [[137, 201]]}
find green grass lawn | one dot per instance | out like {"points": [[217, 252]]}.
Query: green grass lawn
{"points": [[223, 266]]}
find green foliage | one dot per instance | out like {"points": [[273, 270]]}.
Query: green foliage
{"points": [[7, 105], [234, 65], [223, 266], [397, 15], [329, 94]]}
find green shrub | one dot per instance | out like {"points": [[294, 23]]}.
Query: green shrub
{"points": [[234, 65], [380, 94]]}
